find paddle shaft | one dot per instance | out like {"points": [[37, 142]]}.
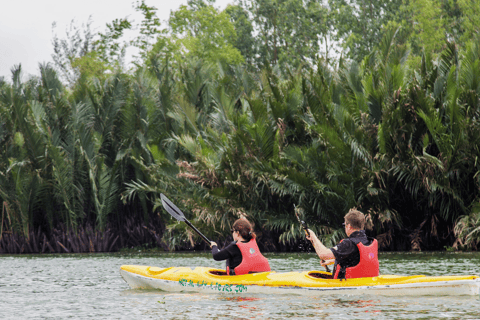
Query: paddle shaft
{"points": [[305, 228], [198, 232]]}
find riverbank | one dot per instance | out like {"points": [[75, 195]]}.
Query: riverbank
{"points": [[85, 239], [133, 239]]}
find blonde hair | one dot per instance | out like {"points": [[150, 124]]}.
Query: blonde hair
{"points": [[355, 218]]}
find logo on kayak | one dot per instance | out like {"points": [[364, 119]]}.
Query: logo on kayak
{"points": [[252, 251], [371, 255]]}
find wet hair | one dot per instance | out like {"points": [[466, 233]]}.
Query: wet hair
{"points": [[244, 228], [356, 219]]}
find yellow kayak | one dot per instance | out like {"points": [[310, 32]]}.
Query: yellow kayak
{"points": [[203, 279]]}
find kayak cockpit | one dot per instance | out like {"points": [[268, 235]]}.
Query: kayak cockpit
{"points": [[218, 272], [320, 275]]}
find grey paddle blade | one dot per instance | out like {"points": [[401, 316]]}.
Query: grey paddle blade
{"points": [[172, 209], [177, 214]]}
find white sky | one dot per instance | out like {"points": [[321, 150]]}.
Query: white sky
{"points": [[26, 25]]}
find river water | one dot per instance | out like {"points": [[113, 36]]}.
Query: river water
{"points": [[89, 286]]}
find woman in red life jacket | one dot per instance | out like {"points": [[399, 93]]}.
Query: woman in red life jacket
{"points": [[242, 255], [355, 256]]}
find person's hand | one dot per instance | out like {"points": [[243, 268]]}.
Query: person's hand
{"points": [[213, 243], [324, 263]]}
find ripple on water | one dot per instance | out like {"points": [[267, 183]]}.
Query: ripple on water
{"points": [[89, 286]]}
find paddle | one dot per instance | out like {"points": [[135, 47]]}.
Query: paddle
{"points": [[178, 214], [305, 228]]}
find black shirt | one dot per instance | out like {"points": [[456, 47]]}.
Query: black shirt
{"points": [[231, 253], [346, 252]]}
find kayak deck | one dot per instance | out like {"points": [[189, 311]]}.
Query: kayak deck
{"points": [[203, 279]]}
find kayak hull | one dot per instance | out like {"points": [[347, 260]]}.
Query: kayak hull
{"points": [[210, 280]]}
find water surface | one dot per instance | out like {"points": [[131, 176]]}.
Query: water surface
{"points": [[89, 286]]}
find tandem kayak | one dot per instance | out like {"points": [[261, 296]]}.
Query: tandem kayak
{"points": [[203, 279]]}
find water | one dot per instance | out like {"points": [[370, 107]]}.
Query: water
{"points": [[89, 286]]}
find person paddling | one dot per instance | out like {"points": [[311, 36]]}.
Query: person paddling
{"points": [[242, 255], [355, 256]]}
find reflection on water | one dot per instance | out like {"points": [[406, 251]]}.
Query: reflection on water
{"points": [[239, 299], [89, 286]]}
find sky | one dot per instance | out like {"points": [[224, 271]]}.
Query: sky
{"points": [[26, 25]]}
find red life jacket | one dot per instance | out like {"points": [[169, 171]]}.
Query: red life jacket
{"points": [[252, 259], [368, 265]]}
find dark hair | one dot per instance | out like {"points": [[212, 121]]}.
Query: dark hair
{"points": [[356, 219], [244, 228]]}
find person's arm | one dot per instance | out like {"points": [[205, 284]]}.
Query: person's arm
{"points": [[322, 252], [224, 254]]}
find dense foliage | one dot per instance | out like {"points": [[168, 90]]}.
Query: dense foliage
{"points": [[242, 113]]}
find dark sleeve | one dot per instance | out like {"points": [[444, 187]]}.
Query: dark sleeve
{"points": [[346, 253], [225, 253]]}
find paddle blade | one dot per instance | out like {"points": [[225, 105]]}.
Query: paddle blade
{"points": [[172, 209]]}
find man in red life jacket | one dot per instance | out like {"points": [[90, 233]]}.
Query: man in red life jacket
{"points": [[355, 256]]}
